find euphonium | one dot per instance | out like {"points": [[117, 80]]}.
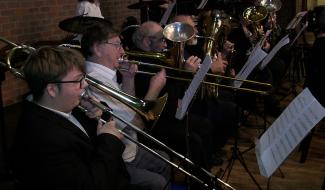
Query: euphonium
{"points": [[270, 5], [214, 28], [212, 24], [254, 15]]}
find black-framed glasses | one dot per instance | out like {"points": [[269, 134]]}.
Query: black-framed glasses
{"points": [[80, 81], [117, 45]]}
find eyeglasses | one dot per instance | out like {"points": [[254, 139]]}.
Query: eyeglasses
{"points": [[70, 81], [116, 45]]}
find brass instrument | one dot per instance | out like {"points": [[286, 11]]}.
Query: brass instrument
{"points": [[181, 32], [178, 33], [254, 15], [214, 26], [213, 21], [272, 6], [130, 103], [138, 130], [150, 110], [187, 74]]}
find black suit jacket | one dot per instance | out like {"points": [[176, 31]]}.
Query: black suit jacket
{"points": [[52, 153]]}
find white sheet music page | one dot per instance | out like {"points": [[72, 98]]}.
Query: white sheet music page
{"points": [[256, 56], [296, 20], [190, 92], [166, 15], [298, 34], [279, 140], [202, 4], [284, 41]]}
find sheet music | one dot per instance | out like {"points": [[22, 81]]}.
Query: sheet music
{"points": [[285, 40], [202, 4], [255, 57], [166, 15], [189, 93], [299, 33], [295, 122], [296, 20]]}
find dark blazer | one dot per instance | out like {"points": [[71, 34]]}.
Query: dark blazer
{"points": [[52, 153]]}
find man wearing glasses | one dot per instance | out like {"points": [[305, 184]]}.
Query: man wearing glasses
{"points": [[53, 148], [103, 50]]}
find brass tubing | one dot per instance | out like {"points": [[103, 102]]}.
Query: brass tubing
{"points": [[134, 127]]}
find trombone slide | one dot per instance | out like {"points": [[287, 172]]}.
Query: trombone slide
{"points": [[132, 126]]}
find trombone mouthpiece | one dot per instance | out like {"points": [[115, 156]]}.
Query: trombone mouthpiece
{"points": [[84, 95]]}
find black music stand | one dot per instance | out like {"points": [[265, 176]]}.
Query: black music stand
{"points": [[237, 155], [3, 147]]}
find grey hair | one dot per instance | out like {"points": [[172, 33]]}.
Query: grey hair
{"points": [[142, 32]]}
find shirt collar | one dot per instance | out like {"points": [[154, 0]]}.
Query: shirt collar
{"points": [[30, 98], [98, 68]]}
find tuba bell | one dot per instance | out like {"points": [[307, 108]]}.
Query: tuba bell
{"points": [[254, 15], [270, 5]]}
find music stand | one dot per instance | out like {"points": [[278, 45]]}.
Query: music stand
{"points": [[2, 124], [236, 154]]}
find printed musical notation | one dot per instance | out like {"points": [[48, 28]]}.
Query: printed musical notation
{"points": [[284, 41], [195, 83], [256, 56], [287, 131]]}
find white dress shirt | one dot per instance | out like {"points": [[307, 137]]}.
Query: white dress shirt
{"points": [[86, 8], [108, 77]]}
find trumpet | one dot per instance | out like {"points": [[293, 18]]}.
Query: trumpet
{"points": [[188, 75], [135, 128]]}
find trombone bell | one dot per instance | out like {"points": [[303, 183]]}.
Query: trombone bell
{"points": [[150, 110]]}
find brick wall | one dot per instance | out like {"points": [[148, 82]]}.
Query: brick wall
{"points": [[31, 21]]}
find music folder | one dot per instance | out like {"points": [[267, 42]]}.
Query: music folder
{"points": [[287, 131], [195, 83]]}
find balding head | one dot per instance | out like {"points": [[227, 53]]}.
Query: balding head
{"points": [[148, 36]]}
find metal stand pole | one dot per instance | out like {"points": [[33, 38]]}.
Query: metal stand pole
{"points": [[237, 155], [3, 158]]}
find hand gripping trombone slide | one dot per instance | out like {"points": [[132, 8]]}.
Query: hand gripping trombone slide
{"points": [[18, 73], [106, 109]]}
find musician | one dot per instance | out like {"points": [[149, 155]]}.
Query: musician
{"points": [[102, 48], [220, 110], [54, 149], [245, 39], [149, 38]]}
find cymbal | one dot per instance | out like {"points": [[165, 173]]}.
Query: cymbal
{"points": [[80, 24], [142, 4]]}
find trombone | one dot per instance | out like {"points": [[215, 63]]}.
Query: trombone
{"points": [[179, 33], [20, 74], [185, 73], [150, 110], [134, 127]]}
